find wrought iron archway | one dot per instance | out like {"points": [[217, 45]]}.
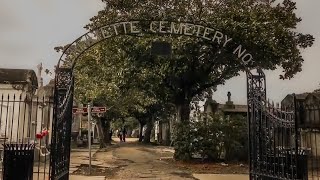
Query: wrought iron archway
{"points": [[64, 78], [273, 133]]}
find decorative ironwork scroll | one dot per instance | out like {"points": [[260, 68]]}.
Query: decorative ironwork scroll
{"points": [[273, 136], [61, 126]]}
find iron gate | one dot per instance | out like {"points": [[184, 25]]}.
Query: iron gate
{"points": [[61, 127], [273, 135], [25, 119]]}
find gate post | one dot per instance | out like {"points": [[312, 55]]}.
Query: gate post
{"points": [[301, 156], [256, 95], [61, 125], [249, 118]]}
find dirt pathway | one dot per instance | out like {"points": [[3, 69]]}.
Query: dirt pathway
{"points": [[136, 161], [132, 160]]}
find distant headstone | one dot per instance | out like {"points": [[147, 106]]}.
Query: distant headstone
{"points": [[229, 96]]}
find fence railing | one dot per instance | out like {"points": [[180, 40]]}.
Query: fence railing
{"points": [[25, 124]]}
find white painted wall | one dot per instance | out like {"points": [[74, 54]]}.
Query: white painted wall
{"points": [[14, 120], [21, 120], [42, 114]]}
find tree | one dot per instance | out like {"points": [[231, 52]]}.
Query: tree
{"points": [[104, 79], [267, 30]]}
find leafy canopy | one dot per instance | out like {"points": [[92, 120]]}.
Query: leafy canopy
{"points": [[105, 78], [266, 30]]}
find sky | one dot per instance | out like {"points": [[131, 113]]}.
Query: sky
{"points": [[29, 30]]}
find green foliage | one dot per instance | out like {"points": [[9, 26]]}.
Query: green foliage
{"points": [[182, 141], [105, 78], [130, 123], [266, 30], [220, 136], [121, 73], [235, 140]]}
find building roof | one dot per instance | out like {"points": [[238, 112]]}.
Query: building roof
{"points": [[298, 96], [237, 108], [301, 96], [288, 100], [228, 107], [313, 97], [18, 76]]}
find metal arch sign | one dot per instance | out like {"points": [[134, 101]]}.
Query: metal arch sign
{"points": [[80, 45]]}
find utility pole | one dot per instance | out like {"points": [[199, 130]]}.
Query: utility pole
{"points": [[89, 110], [80, 125], [89, 135]]}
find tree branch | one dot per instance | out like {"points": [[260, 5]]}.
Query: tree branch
{"points": [[220, 80]]}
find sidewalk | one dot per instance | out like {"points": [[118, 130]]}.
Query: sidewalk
{"points": [[221, 177]]}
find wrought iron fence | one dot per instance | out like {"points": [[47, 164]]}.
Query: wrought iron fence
{"points": [[273, 136], [284, 141], [25, 124]]}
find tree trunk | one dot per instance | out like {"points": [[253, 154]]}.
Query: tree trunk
{"points": [[140, 132], [148, 131], [160, 132], [183, 111], [104, 129], [101, 133], [182, 139]]}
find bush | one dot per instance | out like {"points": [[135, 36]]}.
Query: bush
{"points": [[218, 137], [182, 142]]}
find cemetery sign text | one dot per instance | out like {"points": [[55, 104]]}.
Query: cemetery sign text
{"points": [[155, 27]]}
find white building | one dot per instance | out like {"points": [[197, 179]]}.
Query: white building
{"points": [[17, 89], [26, 111]]}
